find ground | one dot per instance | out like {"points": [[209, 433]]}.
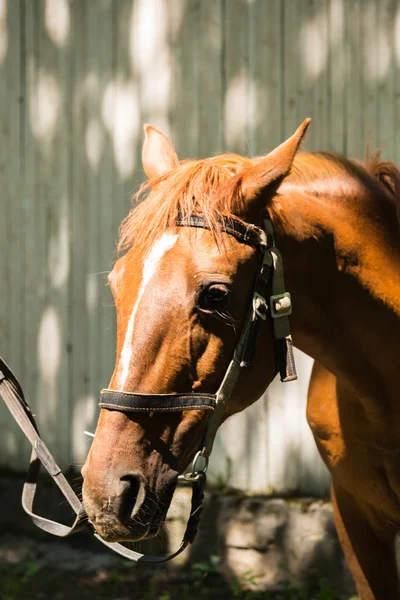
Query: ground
{"points": [[32, 569]]}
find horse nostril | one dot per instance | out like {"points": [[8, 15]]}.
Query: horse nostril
{"points": [[129, 496]]}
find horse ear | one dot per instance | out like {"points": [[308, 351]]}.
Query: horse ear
{"points": [[272, 168], [158, 154]]}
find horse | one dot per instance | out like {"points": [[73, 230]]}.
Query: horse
{"points": [[182, 295]]}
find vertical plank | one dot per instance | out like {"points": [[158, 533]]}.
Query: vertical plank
{"points": [[312, 77], [34, 208], [370, 59], [265, 118], [89, 94], [236, 75], [80, 216], [185, 114], [111, 205], [54, 152], [355, 88], [11, 240], [85, 411], [386, 72], [339, 74], [265, 73], [210, 79], [291, 67], [320, 140]]}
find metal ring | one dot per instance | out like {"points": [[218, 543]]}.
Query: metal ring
{"points": [[198, 469]]}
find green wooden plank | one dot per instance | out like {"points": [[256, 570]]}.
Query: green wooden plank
{"points": [[265, 71], [185, 110], [338, 77], [355, 87], [210, 79], [79, 342], [103, 206], [370, 59], [52, 136], [113, 203], [265, 58], [36, 123], [387, 68], [237, 79], [291, 68], [11, 240]]}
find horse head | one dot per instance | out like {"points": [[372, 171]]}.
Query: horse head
{"points": [[181, 296]]}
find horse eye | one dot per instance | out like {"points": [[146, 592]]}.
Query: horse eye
{"points": [[214, 297]]}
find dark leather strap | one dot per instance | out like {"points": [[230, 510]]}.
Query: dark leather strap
{"points": [[128, 401], [245, 233]]}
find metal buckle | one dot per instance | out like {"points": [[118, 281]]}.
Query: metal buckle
{"points": [[260, 306], [281, 305], [198, 469]]}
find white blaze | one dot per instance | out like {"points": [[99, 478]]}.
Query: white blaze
{"points": [[160, 248]]}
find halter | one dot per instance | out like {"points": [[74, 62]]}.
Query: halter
{"points": [[269, 299]]}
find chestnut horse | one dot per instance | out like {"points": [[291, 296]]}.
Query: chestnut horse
{"points": [[181, 296]]}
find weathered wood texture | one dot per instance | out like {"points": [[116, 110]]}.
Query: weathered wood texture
{"points": [[78, 79]]}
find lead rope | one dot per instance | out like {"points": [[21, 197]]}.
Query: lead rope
{"points": [[13, 396]]}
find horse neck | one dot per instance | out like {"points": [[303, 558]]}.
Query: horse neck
{"points": [[342, 267]]}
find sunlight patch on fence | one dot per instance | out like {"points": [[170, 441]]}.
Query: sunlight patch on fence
{"points": [[3, 31], [49, 360], [396, 35], [121, 117], [45, 104], [376, 46], [151, 60], [92, 291], [59, 254], [49, 345], [336, 20], [313, 45], [83, 414], [57, 20], [236, 118], [94, 142]]}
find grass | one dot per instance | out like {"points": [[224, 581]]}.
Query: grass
{"points": [[200, 581]]}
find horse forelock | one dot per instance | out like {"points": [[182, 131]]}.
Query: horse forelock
{"points": [[194, 187]]}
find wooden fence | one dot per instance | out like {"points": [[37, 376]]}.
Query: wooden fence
{"points": [[77, 80]]}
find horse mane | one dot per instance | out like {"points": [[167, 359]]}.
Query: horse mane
{"points": [[386, 172], [325, 166], [202, 186], [375, 181]]}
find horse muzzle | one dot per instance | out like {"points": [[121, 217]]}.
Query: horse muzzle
{"points": [[124, 511]]}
